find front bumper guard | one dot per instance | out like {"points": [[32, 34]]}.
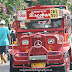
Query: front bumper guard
{"points": [[31, 56], [51, 56]]}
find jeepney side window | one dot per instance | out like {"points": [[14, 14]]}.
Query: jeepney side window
{"points": [[23, 25], [66, 30], [68, 23]]}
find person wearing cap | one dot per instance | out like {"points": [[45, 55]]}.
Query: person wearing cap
{"points": [[4, 39]]}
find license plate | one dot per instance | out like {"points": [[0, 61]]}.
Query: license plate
{"points": [[35, 65], [40, 57]]}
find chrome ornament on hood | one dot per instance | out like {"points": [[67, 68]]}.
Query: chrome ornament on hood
{"points": [[38, 43]]}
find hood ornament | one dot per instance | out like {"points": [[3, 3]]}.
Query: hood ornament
{"points": [[38, 43]]}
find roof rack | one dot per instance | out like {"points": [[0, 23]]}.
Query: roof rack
{"points": [[45, 6]]}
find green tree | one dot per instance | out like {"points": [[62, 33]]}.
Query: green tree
{"points": [[50, 2], [10, 5], [69, 7]]}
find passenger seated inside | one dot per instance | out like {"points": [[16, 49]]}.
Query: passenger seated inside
{"points": [[54, 25], [41, 24]]}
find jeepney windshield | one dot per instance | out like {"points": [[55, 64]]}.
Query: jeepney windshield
{"points": [[40, 24]]}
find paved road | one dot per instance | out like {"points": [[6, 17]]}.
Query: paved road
{"points": [[5, 67]]}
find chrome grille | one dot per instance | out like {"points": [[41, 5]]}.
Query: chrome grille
{"points": [[38, 51]]}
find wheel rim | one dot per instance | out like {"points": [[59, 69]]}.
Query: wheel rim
{"points": [[67, 63]]}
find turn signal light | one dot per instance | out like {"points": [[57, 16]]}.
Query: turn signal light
{"points": [[15, 42]]}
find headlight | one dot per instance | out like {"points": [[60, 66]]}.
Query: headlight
{"points": [[51, 41], [25, 42]]}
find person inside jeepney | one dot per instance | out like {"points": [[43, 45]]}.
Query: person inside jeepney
{"points": [[40, 24], [54, 24]]}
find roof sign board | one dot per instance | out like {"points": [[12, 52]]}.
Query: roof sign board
{"points": [[21, 15], [45, 13], [39, 14]]}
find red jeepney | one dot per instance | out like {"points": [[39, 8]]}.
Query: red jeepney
{"points": [[43, 40]]}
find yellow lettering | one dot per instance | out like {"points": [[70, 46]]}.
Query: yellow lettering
{"points": [[26, 50]]}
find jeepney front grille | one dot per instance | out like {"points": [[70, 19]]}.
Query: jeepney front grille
{"points": [[38, 51], [41, 39]]}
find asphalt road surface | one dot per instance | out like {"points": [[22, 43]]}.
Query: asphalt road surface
{"points": [[4, 67]]}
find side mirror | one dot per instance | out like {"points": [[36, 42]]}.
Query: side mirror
{"points": [[69, 21]]}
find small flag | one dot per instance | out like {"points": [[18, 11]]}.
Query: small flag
{"points": [[61, 6]]}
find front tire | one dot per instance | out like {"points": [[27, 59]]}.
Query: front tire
{"points": [[11, 65], [66, 67]]}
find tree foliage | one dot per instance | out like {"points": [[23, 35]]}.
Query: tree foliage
{"points": [[10, 5], [50, 2]]}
